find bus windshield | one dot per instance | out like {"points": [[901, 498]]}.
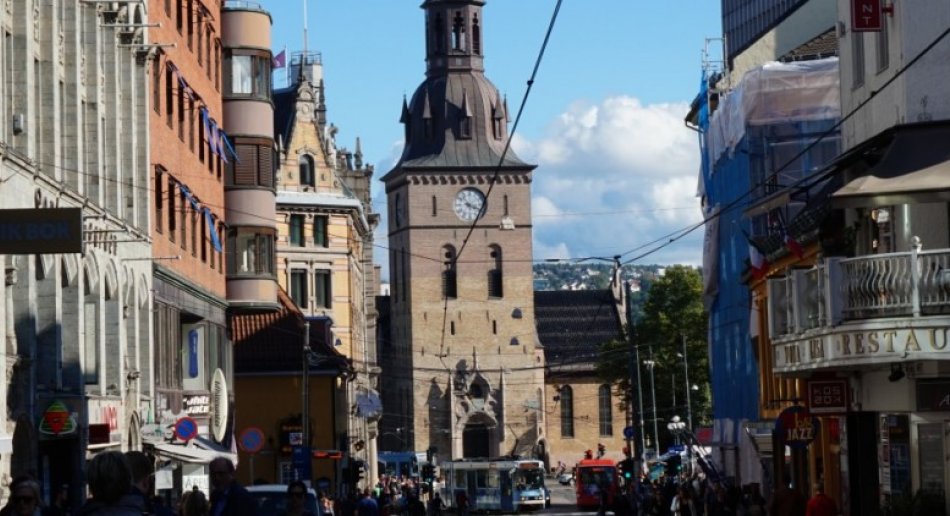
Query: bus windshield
{"points": [[529, 478], [601, 477]]}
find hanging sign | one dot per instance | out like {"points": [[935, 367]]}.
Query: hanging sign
{"points": [[57, 420], [828, 396], [219, 405], [797, 427], [866, 15]]}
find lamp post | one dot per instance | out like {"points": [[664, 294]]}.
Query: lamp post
{"points": [[689, 405], [678, 428], [656, 431]]}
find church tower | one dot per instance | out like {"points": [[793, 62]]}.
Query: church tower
{"points": [[462, 368]]}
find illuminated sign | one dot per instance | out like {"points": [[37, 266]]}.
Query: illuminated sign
{"points": [[828, 396], [797, 427]]}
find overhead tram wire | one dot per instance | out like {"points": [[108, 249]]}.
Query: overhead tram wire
{"points": [[801, 181], [501, 161]]}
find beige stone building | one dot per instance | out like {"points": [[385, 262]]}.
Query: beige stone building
{"points": [[464, 373], [325, 245]]}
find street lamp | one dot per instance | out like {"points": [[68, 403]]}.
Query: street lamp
{"points": [[678, 428], [689, 405], [656, 432]]}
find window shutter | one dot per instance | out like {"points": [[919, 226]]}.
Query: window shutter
{"points": [[266, 166], [245, 170]]}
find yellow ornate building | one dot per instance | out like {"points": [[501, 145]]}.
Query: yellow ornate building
{"points": [[325, 243]]}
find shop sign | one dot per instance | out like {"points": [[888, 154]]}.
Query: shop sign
{"points": [[57, 420], [797, 427], [933, 395], [871, 345], [41, 231], [196, 404], [866, 15], [219, 405], [828, 396], [104, 421], [291, 434]]}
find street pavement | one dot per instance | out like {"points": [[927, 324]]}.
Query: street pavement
{"points": [[563, 501]]}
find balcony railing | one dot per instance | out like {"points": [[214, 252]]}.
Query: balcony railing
{"points": [[905, 284]]}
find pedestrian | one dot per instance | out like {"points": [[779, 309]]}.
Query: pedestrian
{"points": [[26, 499], [228, 497], [436, 505], [603, 501], [821, 504], [461, 502], [143, 476], [787, 502], [194, 503], [59, 506], [297, 499], [110, 482], [326, 504], [682, 504], [753, 501], [367, 506]]}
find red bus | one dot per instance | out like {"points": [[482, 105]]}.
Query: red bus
{"points": [[591, 476]]}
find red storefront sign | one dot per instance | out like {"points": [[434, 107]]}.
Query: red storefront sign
{"points": [[866, 15], [828, 396]]}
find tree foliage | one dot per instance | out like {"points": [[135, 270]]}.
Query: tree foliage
{"points": [[673, 311]]}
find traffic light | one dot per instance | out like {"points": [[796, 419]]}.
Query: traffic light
{"points": [[626, 468], [360, 471], [428, 472]]}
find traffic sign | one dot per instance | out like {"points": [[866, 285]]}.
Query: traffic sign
{"points": [[628, 432], [186, 429], [251, 440]]}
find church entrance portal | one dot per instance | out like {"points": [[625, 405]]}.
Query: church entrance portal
{"points": [[475, 440]]}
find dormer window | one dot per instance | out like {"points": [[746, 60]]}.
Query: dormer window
{"points": [[465, 127], [428, 128], [305, 165]]}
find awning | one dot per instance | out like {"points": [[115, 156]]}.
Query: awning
{"points": [[196, 451], [914, 167]]}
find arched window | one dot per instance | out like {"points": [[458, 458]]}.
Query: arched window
{"points": [[439, 31], [449, 275], [306, 170], [458, 32], [494, 273], [606, 411], [476, 37], [567, 411]]}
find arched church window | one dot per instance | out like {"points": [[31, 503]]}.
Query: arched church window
{"points": [[567, 411], [449, 275], [476, 37], [458, 32], [305, 164], [495, 272], [439, 33], [606, 411]]}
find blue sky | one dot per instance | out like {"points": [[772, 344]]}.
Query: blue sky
{"points": [[604, 122]]}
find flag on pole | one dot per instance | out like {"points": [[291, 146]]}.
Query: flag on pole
{"points": [[280, 60], [791, 244], [757, 261]]}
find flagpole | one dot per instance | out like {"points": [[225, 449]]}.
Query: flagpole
{"points": [[286, 69]]}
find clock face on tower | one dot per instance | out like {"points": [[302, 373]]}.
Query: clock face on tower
{"points": [[470, 204]]}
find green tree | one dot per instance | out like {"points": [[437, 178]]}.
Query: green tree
{"points": [[673, 311]]}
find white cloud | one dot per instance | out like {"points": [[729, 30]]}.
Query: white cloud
{"points": [[614, 176]]}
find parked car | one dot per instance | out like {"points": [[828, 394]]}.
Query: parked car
{"points": [[272, 499]]}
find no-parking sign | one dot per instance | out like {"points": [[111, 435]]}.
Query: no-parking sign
{"points": [[251, 440]]}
